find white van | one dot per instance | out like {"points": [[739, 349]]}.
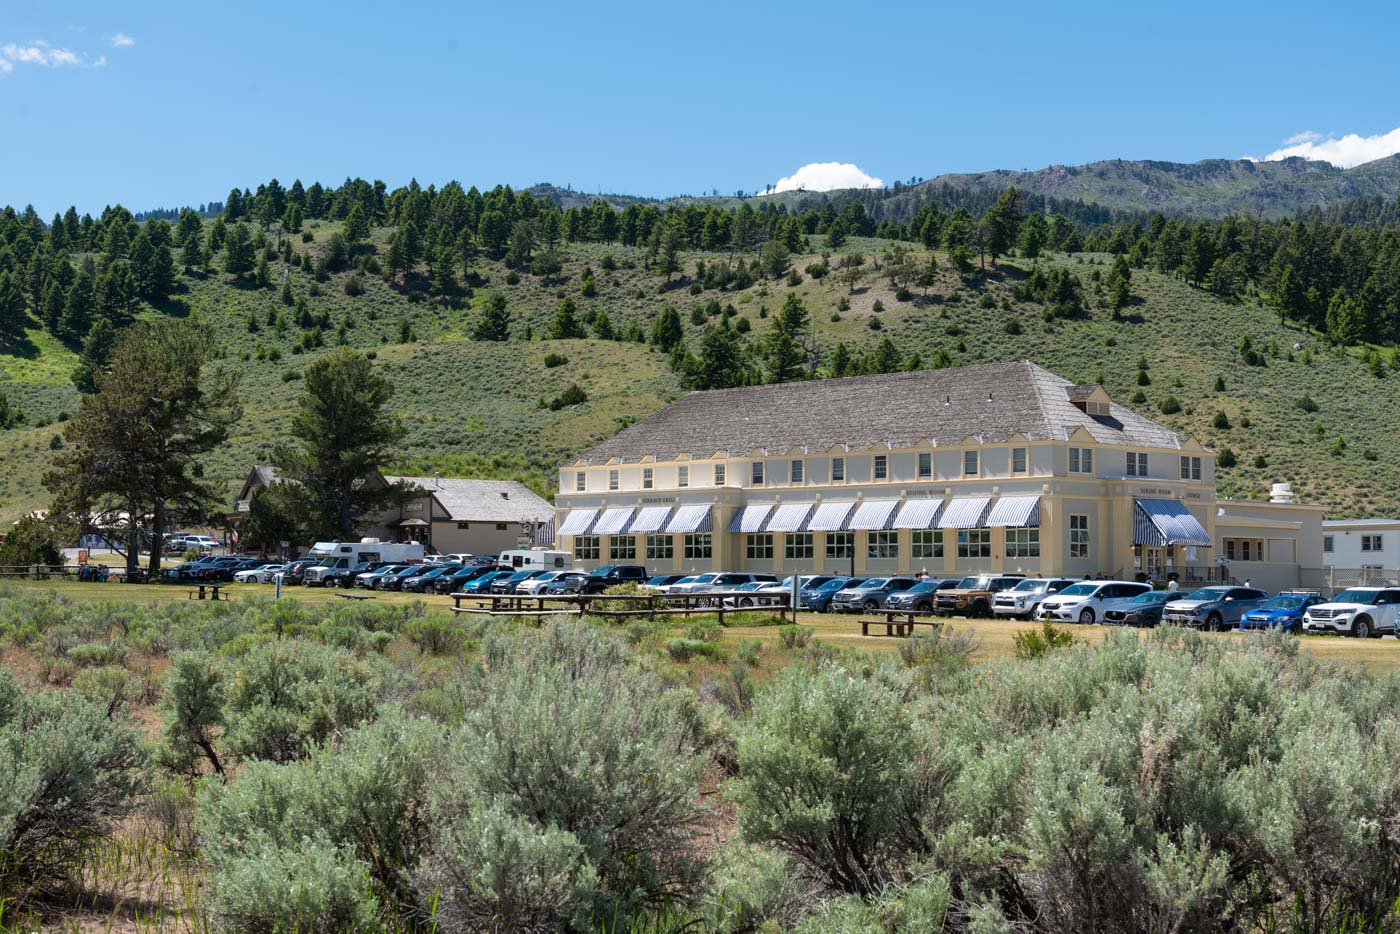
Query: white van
{"points": [[341, 555], [537, 559]]}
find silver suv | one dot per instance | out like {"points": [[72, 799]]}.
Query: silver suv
{"points": [[1021, 601]]}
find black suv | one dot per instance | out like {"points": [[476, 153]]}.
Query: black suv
{"points": [[611, 575]]}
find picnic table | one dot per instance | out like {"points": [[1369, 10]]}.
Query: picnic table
{"points": [[215, 592], [354, 596], [898, 622]]}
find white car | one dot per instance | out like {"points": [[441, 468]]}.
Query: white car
{"points": [[200, 542], [262, 575], [697, 584], [1084, 602], [536, 585], [1358, 611], [1023, 600]]}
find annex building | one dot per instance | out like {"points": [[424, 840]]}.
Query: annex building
{"points": [[1001, 467]]}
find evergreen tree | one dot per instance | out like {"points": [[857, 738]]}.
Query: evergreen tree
{"points": [[929, 276], [603, 328], [238, 250], [192, 254], [784, 346], [566, 325], [1289, 297], [443, 280], [78, 306], [495, 320], [886, 358], [669, 249], [721, 363], [162, 274], [54, 301], [1002, 222], [666, 333], [841, 361], [1119, 285], [356, 225], [1035, 234], [13, 317], [97, 350]]}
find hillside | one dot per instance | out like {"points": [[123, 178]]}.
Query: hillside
{"points": [[481, 407]]}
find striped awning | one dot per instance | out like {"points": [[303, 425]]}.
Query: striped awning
{"points": [[873, 514], [965, 512], [830, 517], [789, 517], [918, 514], [578, 521], [690, 519], [613, 521], [1163, 522], [750, 518], [650, 519], [544, 533], [1015, 512]]}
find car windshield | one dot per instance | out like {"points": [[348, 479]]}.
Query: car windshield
{"points": [[970, 583], [687, 580], [1357, 596], [1152, 596], [1207, 593], [1079, 590], [1029, 585], [875, 583], [654, 581], [923, 587], [705, 578], [1284, 601], [837, 584]]}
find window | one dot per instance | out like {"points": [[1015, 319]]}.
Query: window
{"points": [[660, 548], [697, 546], [719, 475], [928, 543], [586, 548], [648, 478], [757, 475], [1018, 460], [1081, 460], [838, 468], [969, 463], [1327, 544], [974, 543], [796, 473], [683, 476], [580, 482], [464, 526], [759, 546], [1079, 536], [1023, 543], [882, 544], [1371, 543], [612, 479], [925, 465], [882, 466], [1137, 464], [840, 544], [1190, 468], [622, 548], [798, 546], [500, 526]]}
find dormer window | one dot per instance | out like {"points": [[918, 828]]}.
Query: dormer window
{"points": [[1090, 399], [1096, 408]]}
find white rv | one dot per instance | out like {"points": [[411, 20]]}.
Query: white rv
{"points": [[342, 555], [537, 559]]}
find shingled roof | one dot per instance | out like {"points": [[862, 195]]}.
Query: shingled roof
{"points": [[992, 402], [483, 500]]}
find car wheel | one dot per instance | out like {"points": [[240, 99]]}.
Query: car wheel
{"points": [[1086, 617], [870, 605], [980, 610], [746, 601], [1215, 623], [1149, 621], [1361, 629], [923, 607]]}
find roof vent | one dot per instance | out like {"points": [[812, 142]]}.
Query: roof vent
{"points": [[989, 397], [947, 400], [505, 494], [1281, 493]]}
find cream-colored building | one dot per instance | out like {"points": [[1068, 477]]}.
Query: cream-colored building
{"points": [[1001, 467]]}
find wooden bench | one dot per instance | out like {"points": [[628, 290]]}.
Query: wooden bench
{"points": [[355, 596], [898, 623], [530, 614]]}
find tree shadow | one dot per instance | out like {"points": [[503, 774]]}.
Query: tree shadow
{"points": [[23, 348]]}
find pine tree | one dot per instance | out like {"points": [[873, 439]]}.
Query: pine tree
{"points": [[786, 357], [78, 307], [12, 309], [443, 280], [54, 300], [262, 276], [495, 320], [1002, 222], [841, 361], [721, 363], [603, 328], [192, 253], [566, 325], [1035, 233], [356, 225], [669, 249], [97, 349], [929, 277], [1119, 285], [238, 250], [666, 333], [162, 274]]}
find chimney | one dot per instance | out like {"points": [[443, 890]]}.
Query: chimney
{"points": [[1281, 493], [437, 479]]}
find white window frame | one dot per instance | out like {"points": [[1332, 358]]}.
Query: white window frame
{"points": [[622, 548], [797, 471], [683, 476], [880, 467], [698, 546], [840, 545], [614, 479], [1137, 464], [1080, 540], [648, 478], [926, 543], [661, 547], [587, 548], [719, 475], [838, 470], [758, 546], [580, 481], [757, 472], [1190, 467], [1081, 460], [1024, 455], [925, 468], [972, 459], [1023, 542], [1372, 543], [798, 546]]}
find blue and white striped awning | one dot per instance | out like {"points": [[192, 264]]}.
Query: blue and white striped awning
{"points": [[690, 519], [830, 517], [544, 533], [1015, 512], [789, 517], [918, 514], [750, 518], [578, 521], [873, 514], [1162, 522], [613, 521], [650, 519], [965, 512]]}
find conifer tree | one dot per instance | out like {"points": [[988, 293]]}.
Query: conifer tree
{"points": [[12, 309], [495, 320], [566, 325]]}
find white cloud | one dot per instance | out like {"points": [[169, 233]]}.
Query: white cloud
{"points": [[38, 52], [828, 176], [121, 41], [1345, 151]]}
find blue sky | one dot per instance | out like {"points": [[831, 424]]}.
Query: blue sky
{"points": [[163, 103]]}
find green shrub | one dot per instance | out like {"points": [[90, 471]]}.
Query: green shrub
{"points": [[795, 637], [552, 360], [1034, 643], [749, 651], [938, 654], [753, 886], [435, 635], [1226, 459], [1170, 405], [683, 650], [1221, 421], [311, 888]]}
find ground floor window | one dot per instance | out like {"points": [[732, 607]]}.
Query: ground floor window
{"points": [[697, 546], [622, 548], [1079, 536], [974, 543], [759, 546], [798, 546], [928, 543], [1246, 549], [1023, 543], [660, 548], [586, 548], [840, 544], [882, 545]]}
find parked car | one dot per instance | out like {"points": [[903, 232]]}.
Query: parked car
{"points": [[804, 582], [482, 584], [693, 583], [201, 543], [1086, 601], [1284, 611], [611, 575], [973, 595], [253, 572], [422, 582], [869, 594], [1143, 610], [508, 583], [1022, 601], [395, 580], [566, 583], [754, 593], [295, 572], [1214, 608], [370, 579], [199, 569], [658, 583], [535, 586], [922, 597], [1358, 611], [345, 576], [818, 599], [452, 583]]}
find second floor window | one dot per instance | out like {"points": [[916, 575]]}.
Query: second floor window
{"points": [[969, 463], [580, 482], [683, 476], [882, 466], [1137, 464], [1018, 460], [1190, 468], [1081, 460], [925, 465], [757, 474], [838, 468], [648, 478], [612, 479], [797, 471], [719, 475]]}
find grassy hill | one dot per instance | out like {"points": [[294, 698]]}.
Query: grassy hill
{"points": [[482, 408]]}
